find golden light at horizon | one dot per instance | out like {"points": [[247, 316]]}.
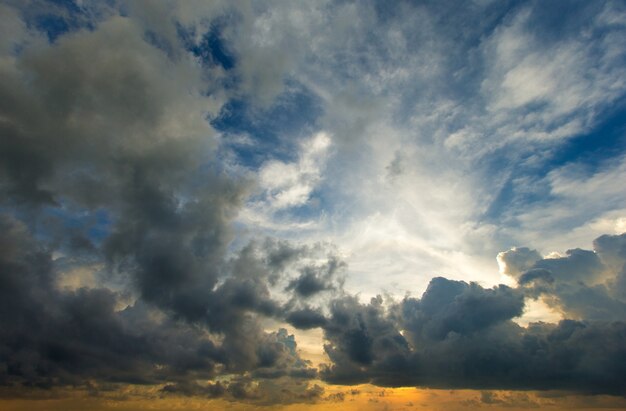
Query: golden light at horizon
{"points": [[362, 397]]}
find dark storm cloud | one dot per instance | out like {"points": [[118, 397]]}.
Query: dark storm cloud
{"points": [[57, 338], [308, 287], [577, 265], [456, 307], [103, 120], [305, 318], [461, 335], [612, 250], [308, 283], [281, 253], [536, 275], [52, 337], [83, 115], [315, 279]]}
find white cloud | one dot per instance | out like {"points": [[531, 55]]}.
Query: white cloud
{"points": [[290, 184], [441, 104], [284, 186], [580, 207], [568, 79]]}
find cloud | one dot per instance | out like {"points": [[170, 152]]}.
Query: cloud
{"points": [[445, 348], [133, 229], [460, 335], [67, 337], [306, 318], [583, 284], [107, 125], [315, 279], [287, 187], [521, 400], [518, 260], [79, 87], [531, 66]]}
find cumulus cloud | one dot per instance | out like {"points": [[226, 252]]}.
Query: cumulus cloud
{"points": [[53, 337], [315, 279], [517, 261], [66, 337], [107, 125], [460, 335], [582, 283]]}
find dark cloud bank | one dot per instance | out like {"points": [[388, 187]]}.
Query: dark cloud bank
{"points": [[104, 164]]}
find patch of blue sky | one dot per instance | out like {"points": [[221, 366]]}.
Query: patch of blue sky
{"points": [[61, 17], [591, 152], [518, 192], [212, 49], [553, 21], [272, 133], [52, 25], [595, 149], [95, 225], [101, 227]]}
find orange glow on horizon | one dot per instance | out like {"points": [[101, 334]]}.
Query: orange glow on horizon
{"points": [[335, 397]]}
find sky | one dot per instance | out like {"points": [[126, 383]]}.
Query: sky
{"points": [[314, 205]]}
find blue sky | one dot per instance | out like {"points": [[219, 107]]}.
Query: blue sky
{"points": [[169, 152]]}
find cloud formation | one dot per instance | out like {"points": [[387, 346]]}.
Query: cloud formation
{"points": [[181, 181], [460, 335], [106, 124]]}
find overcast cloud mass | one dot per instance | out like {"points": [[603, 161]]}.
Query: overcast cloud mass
{"points": [[254, 201]]}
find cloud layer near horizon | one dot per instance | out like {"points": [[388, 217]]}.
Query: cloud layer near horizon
{"points": [[178, 178], [462, 335]]}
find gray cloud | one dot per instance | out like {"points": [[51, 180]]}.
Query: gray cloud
{"points": [[461, 335], [315, 279], [52, 337], [306, 318], [583, 284], [518, 260], [106, 122]]}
